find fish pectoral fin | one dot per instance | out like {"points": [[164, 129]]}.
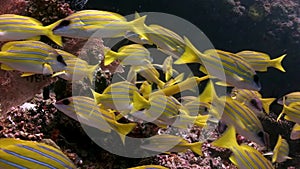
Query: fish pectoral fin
{"points": [[238, 78], [47, 69], [59, 73], [268, 153], [6, 67], [27, 74]]}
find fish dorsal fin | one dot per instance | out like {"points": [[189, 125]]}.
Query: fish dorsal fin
{"points": [[228, 139], [47, 69]]}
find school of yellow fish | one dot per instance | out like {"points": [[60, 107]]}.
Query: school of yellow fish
{"points": [[151, 100]]}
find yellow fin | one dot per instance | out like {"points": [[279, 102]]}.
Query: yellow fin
{"points": [[47, 69], [58, 73], [276, 63], [227, 140], [266, 102], [109, 56], [139, 102], [123, 129], [208, 93], [139, 26], [197, 148], [6, 67], [49, 33], [146, 88], [190, 55], [203, 69], [27, 74], [6, 46]]}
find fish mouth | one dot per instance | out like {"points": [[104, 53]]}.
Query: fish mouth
{"points": [[266, 139], [257, 82], [255, 103]]}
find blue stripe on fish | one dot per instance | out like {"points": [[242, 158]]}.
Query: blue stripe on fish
{"points": [[12, 164], [29, 159], [43, 154]]}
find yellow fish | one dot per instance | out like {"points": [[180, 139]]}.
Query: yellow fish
{"points": [[17, 27], [289, 98], [281, 151], [31, 57], [231, 112], [292, 112], [295, 134], [86, 111], [244, 156], [253, 100], [261, 61], [85, 23], [134, 54], [117, 96], [147, 71], [222, 65], [76, 68], [170, 143], [166, 40], [29, 154]]}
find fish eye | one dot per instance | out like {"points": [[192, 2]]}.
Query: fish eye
{"points": [[260, 134], [255, 104], [66, 102], [60, 59], [62, 24]]}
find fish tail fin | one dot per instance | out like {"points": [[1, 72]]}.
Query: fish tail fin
{"points": [[227, 140], [208, 93], [190, 54], [139, 102], [276, 63], [123, 129], [91, 71], [139, 26], [266, 102], [201, 120], [49, 33], [97, 96], [110, 56], [197, 148]]}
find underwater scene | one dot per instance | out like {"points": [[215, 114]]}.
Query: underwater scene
{"points": [[91, 84]]}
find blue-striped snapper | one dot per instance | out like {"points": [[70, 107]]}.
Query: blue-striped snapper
{"points": [[31, 57], [17, 27], [87, 111], [261, 61], [232, 70], [170, 143], [85, 23], [133, 55], [29, 154], [244, 156]]}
